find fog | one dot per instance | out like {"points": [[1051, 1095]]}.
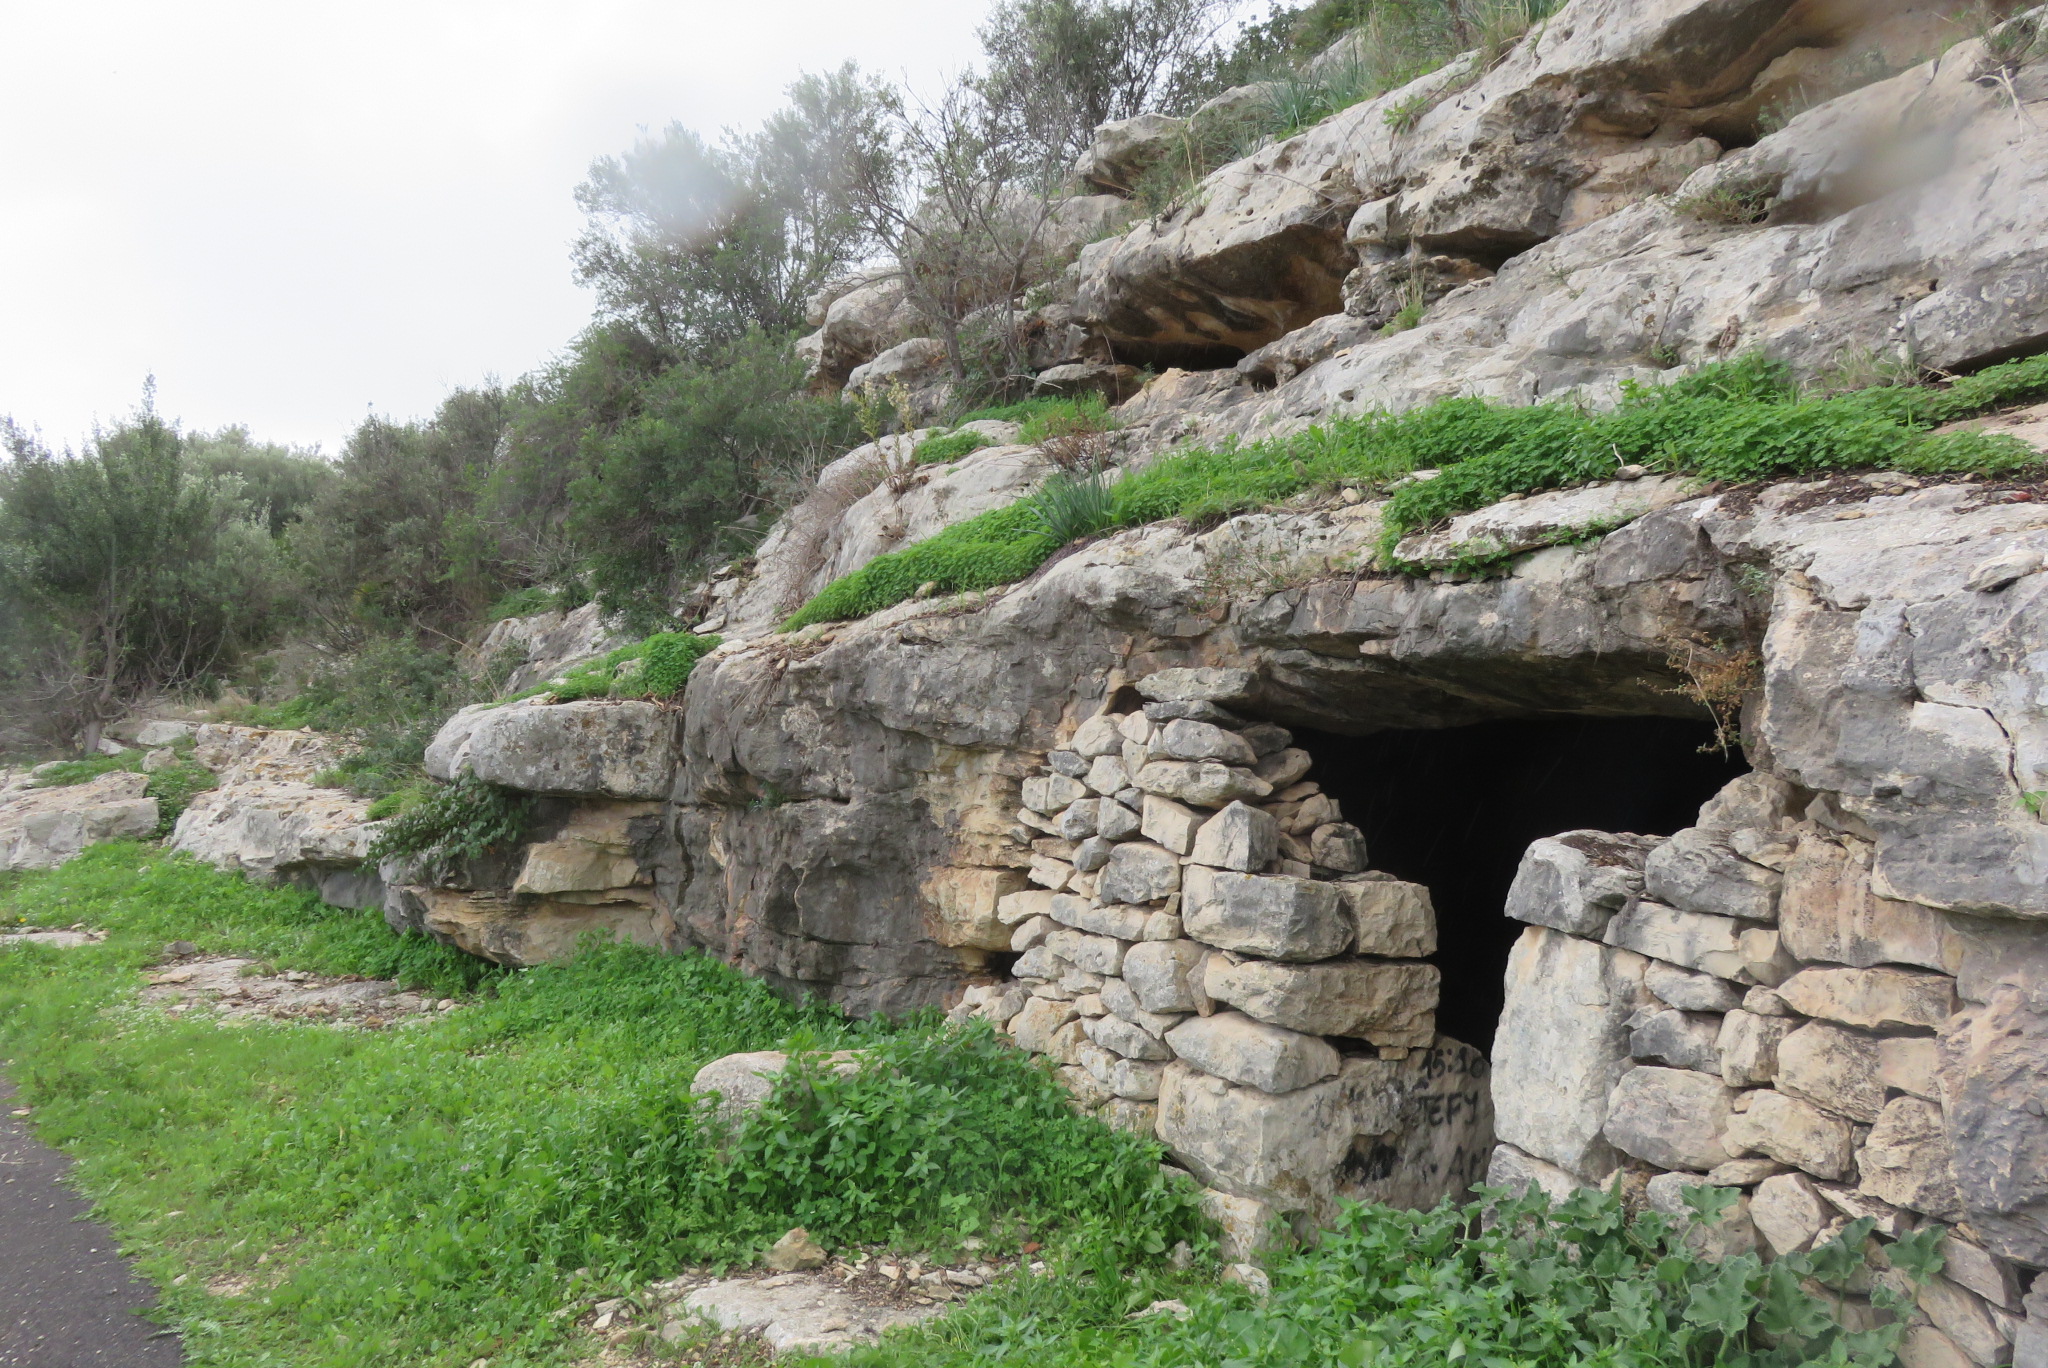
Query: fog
{"points": [[296, 214]]}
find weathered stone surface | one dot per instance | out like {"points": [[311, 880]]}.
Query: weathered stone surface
{"points": [[1387, 1004], [1577, 881], [1267, 915], [744, 1081], [1537, 521], [1391, 918], [1033, 1027], [41, 828], [1994, 1070], [1013, 909], [1157, 971], [1683, 1040], [1673, 1118], [1512, 1169], [1139, 872], [1789, 1212], [1201, 783], [1407, 1132], [1338, 847], [1236, 1047], [962, 905], [1182, 739], [1876, 999], [1689, 991], [1827, 911], [597, 748], [1835, 1068], [1964, 1319], [1692, 940], [1099, 735], [1126, 1039], [1748, 1048], [1561, 1047], [1908, 1159], [1793, 1132], [1094, 954], [1239, 837], [1171, 824], [1122, 922], [1244, 1225], [1697, 871], [1206, 684], [1121, 152], [519, 931]]}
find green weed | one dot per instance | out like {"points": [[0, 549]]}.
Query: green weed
{"points": [[657, 667]]}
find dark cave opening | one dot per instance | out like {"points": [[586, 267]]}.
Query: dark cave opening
{"points": [[1455, 808]]}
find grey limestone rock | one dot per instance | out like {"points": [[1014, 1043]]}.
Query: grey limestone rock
{"points": [[1576, 881], [1139, 872], [1387, 1004], [1683, 1040], [1697, 871], [1269, 915], [1673, 1118], [1239, 837], [1255, 1053]]}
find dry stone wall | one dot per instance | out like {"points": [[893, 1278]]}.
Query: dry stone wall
{"points": [[1737, 1006], [1207, 954]]}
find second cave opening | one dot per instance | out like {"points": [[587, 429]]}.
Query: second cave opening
{"points": [[1455, 808]]}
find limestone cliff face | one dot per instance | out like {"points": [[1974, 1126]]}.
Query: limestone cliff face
{"points": [[1827, 991]]}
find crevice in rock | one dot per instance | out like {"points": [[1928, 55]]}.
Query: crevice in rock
{"points": [[1455, 808]]}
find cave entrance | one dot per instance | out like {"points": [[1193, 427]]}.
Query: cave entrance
{"points": [[1454, 809]]}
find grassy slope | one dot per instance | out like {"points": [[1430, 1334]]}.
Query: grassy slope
{"points": [[426, 1195]]}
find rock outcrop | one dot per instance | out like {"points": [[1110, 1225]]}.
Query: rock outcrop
{"points": [[269, 819], [41, 828]]}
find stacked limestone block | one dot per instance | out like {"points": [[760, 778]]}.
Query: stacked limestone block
{"points": [[1735, 1006], [1209, 958]]}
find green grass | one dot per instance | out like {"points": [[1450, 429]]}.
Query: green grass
{"points": [[430, 1195], [1735, 421], [951, 447]]}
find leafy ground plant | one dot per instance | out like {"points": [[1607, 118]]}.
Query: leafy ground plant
{"points": [[1735, 421], [433, 1194], [1510, 1282], [451, 823]]}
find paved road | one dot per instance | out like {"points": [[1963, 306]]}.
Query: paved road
{"points": [[67, 1298]]}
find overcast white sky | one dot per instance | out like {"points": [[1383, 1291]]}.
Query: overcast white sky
{"points": [[293, 213]]}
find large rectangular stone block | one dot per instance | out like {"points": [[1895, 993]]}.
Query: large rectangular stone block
{"points": [[1387, 1004], [1391, 918], [1273, 916], [1562, 1045], [1673, 1118], [1239, 837], [1254, 1053], [1875, 999], [1577, 881], [1828, 912], [1692, 940]]}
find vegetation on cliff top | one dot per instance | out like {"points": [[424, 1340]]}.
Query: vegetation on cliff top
{"points": [[1731, 422]]}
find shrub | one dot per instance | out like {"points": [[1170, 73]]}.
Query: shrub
{"points": [[1057, 418], [464, 820], [522, 603], [1732, 201], [657, 667], [174, 787], [667, 659], [1518, 1281], [950, 447]]}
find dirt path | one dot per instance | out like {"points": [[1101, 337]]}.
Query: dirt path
{"points": [[67, 1298]]}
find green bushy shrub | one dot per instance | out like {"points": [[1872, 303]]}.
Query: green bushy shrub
{"points": [[997, 547], [463, 820], [1066, 506]]}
